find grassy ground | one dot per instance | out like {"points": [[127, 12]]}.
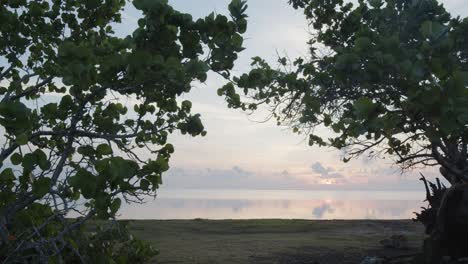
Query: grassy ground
{"points": [[273, 241]]}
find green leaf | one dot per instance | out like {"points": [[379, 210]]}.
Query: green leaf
{"points": [[75, 196], [85, 182], [169, 148], [162, 163], [155, 179], [194, 125], [104, 149], [22, 139], [186, 106], [29, 161], [86, 150], [144, 184], [376, 3], [122, 169], [7, 175], [115, 206], [237, 8], [327, 120], [14, 110], [16, 159], [41, 159], [49, 110], [237, 41], [41, 186], [363, 107]]}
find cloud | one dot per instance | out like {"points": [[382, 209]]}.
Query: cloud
{"points": [[241, 171], [325, 173], [285, 174], [333, 176], [319, 168], [235, 177]]}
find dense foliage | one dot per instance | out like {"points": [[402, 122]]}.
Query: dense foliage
{"points": [[388, 77], [85, 114]]}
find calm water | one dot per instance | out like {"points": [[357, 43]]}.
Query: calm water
{"points": [[248, 204]]}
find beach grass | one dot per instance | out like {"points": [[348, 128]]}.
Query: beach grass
{"points": [[273, 240]]}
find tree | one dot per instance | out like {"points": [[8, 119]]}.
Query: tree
{"points": [[86, 114], [387, 77]]}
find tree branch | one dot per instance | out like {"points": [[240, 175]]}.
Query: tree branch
{"points": [[28, 91], [5, 72]]}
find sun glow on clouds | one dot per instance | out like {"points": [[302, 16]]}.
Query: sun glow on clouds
{"points": [[328, 181]]}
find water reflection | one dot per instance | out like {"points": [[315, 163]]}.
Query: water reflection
{"points": [[319, 211], [296, 206]]}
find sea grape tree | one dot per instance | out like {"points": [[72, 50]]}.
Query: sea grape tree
{"points": [[387, 78], [85, 114]]}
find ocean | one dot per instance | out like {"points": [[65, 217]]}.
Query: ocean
{"points": [[281, 204]]}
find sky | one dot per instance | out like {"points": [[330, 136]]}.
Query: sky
{"points": [[240, 151]]}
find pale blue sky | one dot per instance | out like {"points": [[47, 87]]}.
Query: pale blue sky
{"points": [[241, 153]]}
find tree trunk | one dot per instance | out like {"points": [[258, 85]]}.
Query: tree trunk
{"points": [[448, 231]]}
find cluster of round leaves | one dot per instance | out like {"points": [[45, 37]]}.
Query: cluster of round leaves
{"points": [[378, 69], [80, 104], [110, 243]]}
